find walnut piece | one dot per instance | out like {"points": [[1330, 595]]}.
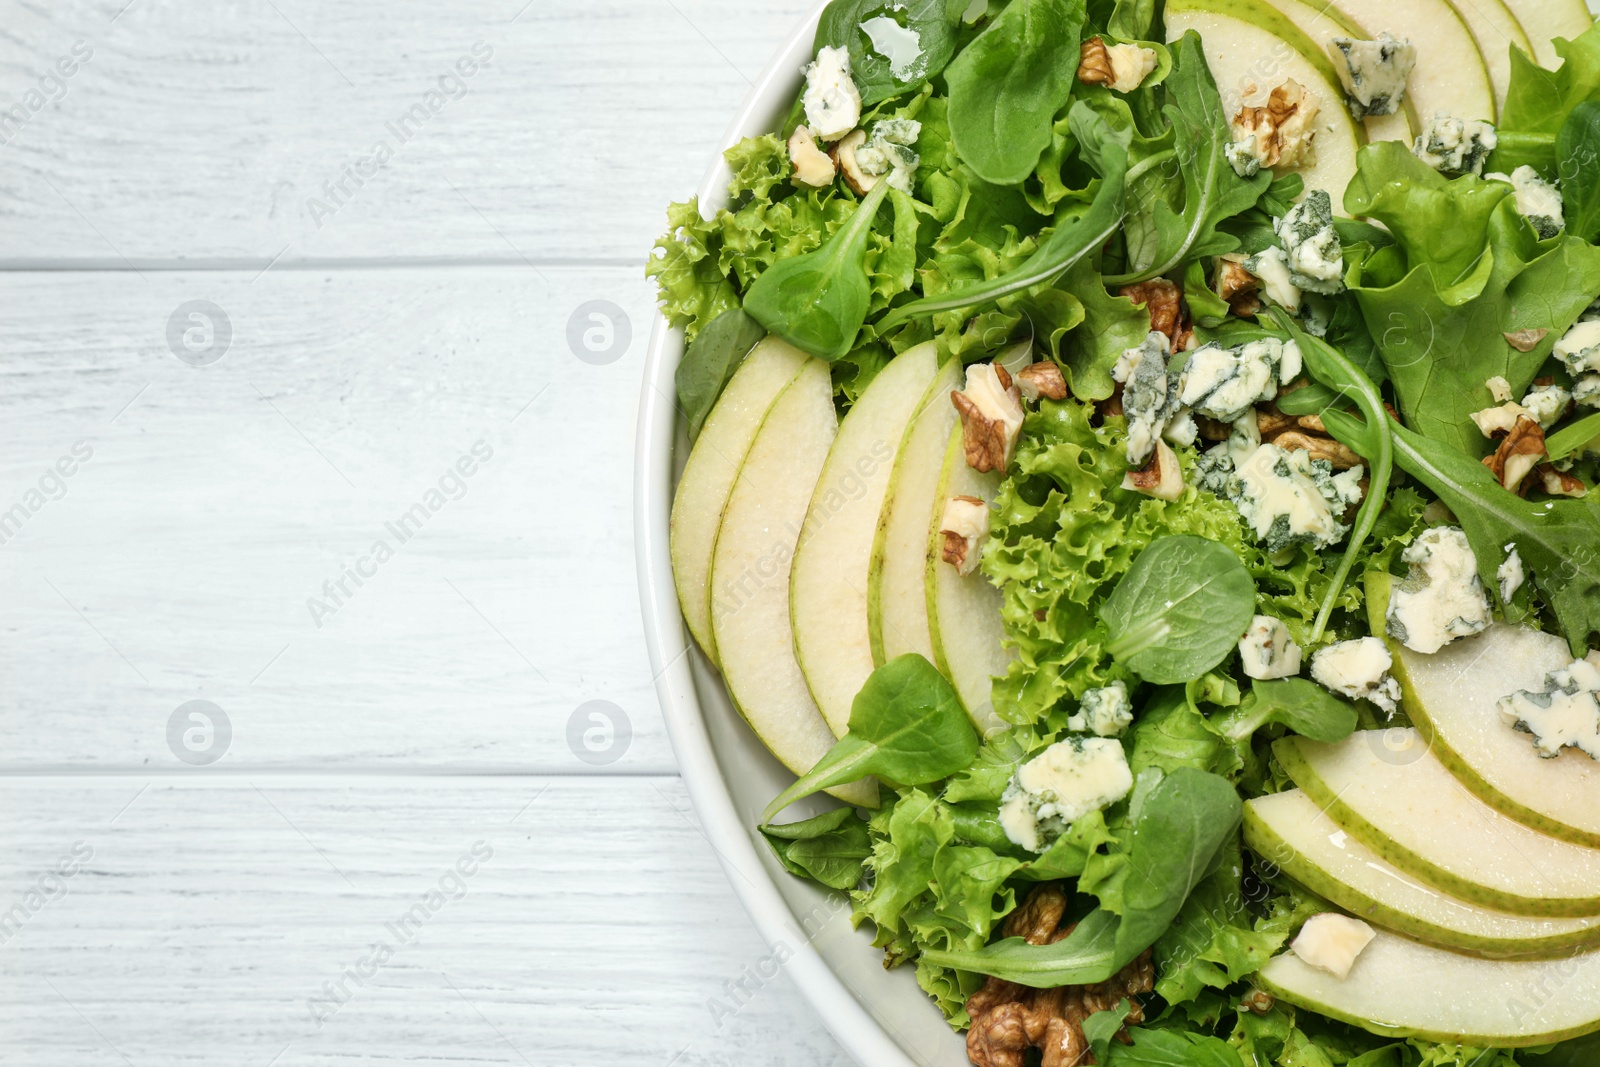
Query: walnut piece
{"points": [[1237, 286], [1168, 312], [1119, 67], [991, 416], [1160, 477], [1094, 63], [843, 154], [964, 527], [1335, 452], [1010, 1019], [1042, 379], [1282, 130], [1560, 483], [812, 166], [1525, 340], [1519, 452], [1271, 422]]}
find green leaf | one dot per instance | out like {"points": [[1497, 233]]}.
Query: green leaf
{"points": [[1205, 306], [1212, 191], [1581, 436], [1102, 1026], [1180, 610], [841, 26], [1577, 160], [818, 301], [1538, 100], [710, 361], [829, 848], [909, 836], [1132, 20], [1006, 86], [1172, 1048], [906, 725], [1111, 325], [1170, 733], [1068, 243], [1301, 705]]}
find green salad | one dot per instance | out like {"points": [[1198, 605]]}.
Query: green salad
{"points": [[1142, 462]]}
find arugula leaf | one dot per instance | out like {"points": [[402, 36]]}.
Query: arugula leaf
{"points": [[1577, 157], [1172, 1048], [1301, 705], [906, 725], [818, 301], [1211, 190], [1006, 86], [842, 26], [1102, 1026], [1180, 610], [1071, 240], [710, 361], [1554, 537], [829, 848], [1581, 436]]}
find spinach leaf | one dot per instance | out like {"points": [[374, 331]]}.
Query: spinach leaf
{"points": [[829, 848], [882, 73], [1581, 435], [1068, 243], [1179, 610], [817, 301], [1172, 1048], [1211, 190], [1006, 86], [906, 725], [710, 361], [1132, 20], [1577, 158], [1301, 705], [1554, 537]]}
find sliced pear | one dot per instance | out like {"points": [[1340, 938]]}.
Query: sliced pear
{"points": [[1400, 988], [1385, 788], [828, 588], [1450, 75], [1496, 30], [1321, 21], [1451, 697], [1244, 42], [1291, 831], [1545, 20], [897, 599], [709, 474], [964, 610], [750, 576]]}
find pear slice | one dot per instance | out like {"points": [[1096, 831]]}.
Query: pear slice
{"points": [[1545, 20], [897, 599], [1290, 831], [709, 473], [1321, 21], [1451, 697], [964, 617], [828, 587], [750, 576], [1236, 35], [1400, 988], [1386, 789], [1496, 31], [1450, 75]]}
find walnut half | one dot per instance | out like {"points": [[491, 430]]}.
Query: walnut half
{"points": [[1168, 313], [1519, 453], [1042, 379], [991, 416]]}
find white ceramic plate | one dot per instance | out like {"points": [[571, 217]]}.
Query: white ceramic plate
{"points": [[879, 1016]]}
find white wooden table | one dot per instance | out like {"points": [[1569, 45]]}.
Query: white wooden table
{"points": [[399, 846]]}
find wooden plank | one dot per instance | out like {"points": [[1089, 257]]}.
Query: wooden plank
{"points": [[203, 919], [182, 559], [204, 132]]}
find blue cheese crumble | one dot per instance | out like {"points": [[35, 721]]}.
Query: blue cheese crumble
{"points": [[832, 102], [1374, 73], [1455, 146], [1225, 383], [1285, 497], [1268, 651], [1565, 715], [1358, 670], [890, 151], [1579, 348], [1271, 265], [1311, 246], [1538, 201], [1510, 574], [1546, 404], [1443, 598], [1061, 785], [1149, 397], [1105, 712]]}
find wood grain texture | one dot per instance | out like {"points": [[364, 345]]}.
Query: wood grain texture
{"points": [[204, 919], [202, 131]]}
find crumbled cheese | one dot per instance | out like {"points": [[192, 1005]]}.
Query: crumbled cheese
{"points": [[1586, 391], [1276, 132], [1287, 498], [1499, 389], [1224, 383], [1311, 246], [1147, 394], [1457, 146], [1443, 598], [1511, 574], [1546, 404], [1374, 73], [832, 101], [1358, 670], [890, 150], [1130, 65], [1565, 715], [1579, 347], [898, 44], [1332, 942], [1267, 650], [1498, 421], [1106, 711], [1062, 784], [1271, 265], [1538, 201]]}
